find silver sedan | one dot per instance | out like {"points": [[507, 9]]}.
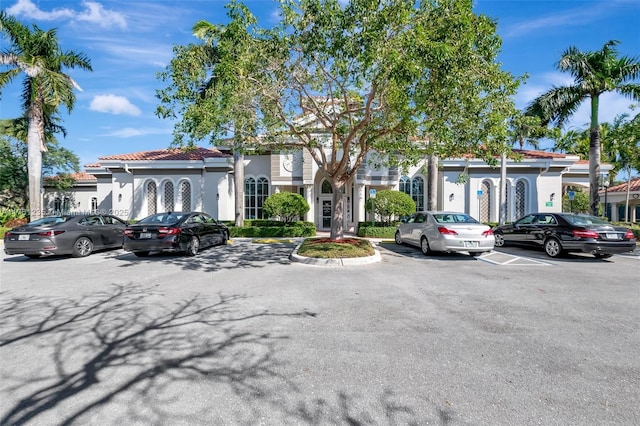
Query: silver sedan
{"points": [[442, 231]]}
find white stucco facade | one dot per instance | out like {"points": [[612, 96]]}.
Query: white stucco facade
{"points": [[133, 186]]}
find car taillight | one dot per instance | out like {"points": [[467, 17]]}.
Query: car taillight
{"points": [[585, 233], [487, 232], [446, 231], [128, 232], [169, 231], [50, 233], [629, 235], [9, 234]]}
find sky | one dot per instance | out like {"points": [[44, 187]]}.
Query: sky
{"points": [[129, 42]]}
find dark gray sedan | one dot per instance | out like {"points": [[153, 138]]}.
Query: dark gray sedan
{"points": [[77, 235]]}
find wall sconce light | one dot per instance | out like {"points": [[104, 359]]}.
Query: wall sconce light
{"points": [[217, 196], [317, 199], [451, 196], [119, 197], [552, 196]]}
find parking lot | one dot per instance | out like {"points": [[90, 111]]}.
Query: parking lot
{"points": [[241, 335]]}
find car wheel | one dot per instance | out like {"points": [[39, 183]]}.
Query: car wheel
{"points": [[424, 246], [33, 256], [553, 248], [193, 246], [225, 238], [398, 238], [141, 253], [82, 247], [475, 253], [602, 255], [499, 239]]}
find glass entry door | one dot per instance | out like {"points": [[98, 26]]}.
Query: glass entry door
{"points": [[326, 213]]}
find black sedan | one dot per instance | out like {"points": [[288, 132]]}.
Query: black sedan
{"points": [[186, 232], [77, 235], [559, 233]]}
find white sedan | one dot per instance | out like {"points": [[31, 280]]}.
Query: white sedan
{"points": [[442, 231]]}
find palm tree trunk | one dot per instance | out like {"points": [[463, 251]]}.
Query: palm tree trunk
{"points": [[502, 214], [34, 160], [594, 158], [432, 183], [238, 182]]}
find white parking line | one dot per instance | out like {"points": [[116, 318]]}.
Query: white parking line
{"points": [[499, 258]]}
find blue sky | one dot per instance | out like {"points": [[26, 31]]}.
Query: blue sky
{"points": [[128, 42]]}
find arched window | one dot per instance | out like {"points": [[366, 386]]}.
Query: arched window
{"points": [[255, 192], [94, 204], [520, 199], [185, 194], [485, 202], [326, 187], [168, 197], [152, 203], [415, 188], [57, 205]]}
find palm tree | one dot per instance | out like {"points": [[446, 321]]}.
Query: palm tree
{"points": [[38, 55], [594, 73]]}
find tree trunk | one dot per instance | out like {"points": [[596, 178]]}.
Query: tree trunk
{"points": [[594, 159], [238, 181], [432, 182], [34, 160], [337, 218], [502, 217]]}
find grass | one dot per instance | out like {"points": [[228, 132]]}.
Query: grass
{"points": [[326, 248]]}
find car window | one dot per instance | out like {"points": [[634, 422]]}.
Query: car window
{"points": [[195, 219], [585, 219], [209, 219], [112, 220], [50, 220], [420, 218], [90, 221], [411, 218], [527, 220], [545, 219]]}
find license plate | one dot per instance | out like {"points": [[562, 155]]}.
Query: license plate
{"points": [[144, 235], [23, 237], [612, 236], [471, 244]]}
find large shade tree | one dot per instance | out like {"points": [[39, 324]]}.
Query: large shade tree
{"points": [[594, 73], [400, 78], [38, 55]]}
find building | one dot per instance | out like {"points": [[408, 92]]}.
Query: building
{"points": [[135, 185], [615, 198]]}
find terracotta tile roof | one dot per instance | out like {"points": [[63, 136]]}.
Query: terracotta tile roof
{"points": [[540, 154], [92, 166], [78, 177], [622, 187], [171, 154]]}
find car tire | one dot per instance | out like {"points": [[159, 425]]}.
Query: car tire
{"points": [[602, 255], [476, 253], [82, 247], [552, 247], [398, 238], [193, 246], [424, 246], [225, 238], [141, 253], [499, 237]]}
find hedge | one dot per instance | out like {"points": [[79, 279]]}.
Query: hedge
{"points": [[271, 228]]}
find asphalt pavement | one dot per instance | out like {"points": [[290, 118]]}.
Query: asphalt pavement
{"points": [[243, 335]]}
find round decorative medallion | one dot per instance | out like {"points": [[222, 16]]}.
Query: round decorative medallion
{"points": [[291, 162]]}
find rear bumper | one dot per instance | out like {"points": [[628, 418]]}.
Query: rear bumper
{"points": [[598, 247], [456, 245], [168, 244], [40, 248]]}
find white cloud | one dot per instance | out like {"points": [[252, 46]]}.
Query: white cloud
{"points": [[129, 132], [113, 104], [93, 13]]}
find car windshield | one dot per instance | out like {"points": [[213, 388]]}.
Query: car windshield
{"points": [[162, 218], [454, 218], [50, 220], [585, 219]]}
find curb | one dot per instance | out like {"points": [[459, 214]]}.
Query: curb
{"points": [[347, 261]]}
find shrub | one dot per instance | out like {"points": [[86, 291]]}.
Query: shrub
{"points": [[390, 205], [7, 215], [287, 206], [579, 204], [272, 229]]}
